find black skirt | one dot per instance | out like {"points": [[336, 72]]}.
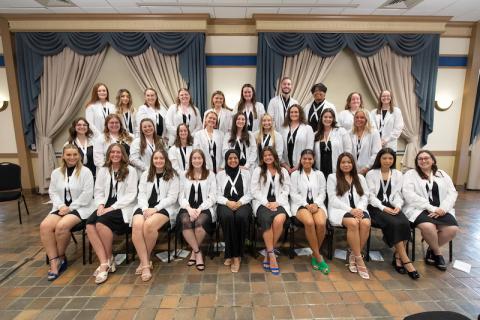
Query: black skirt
{"points": [[446, 220], [74, 212], [162, 211], [113, 220], [395, 228], [265, 216], [204, 220]]}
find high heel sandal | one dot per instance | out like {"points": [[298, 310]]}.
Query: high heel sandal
{"points": [[362, 270], [51, 275], [352, 265], [63, 265], [412, 274], [199, 266], [321, 266], [138, 271], [266, 262], [399, 269], [274, 270], [227, 262], [146, 273], [102, 276], [191, 262]]}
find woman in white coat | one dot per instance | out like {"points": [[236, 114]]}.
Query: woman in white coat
{"points": [[115, 198], [330, 142], [183, 111], [385, 208], [353, 104], [157, 204], [268, 136], [126, 111], [429, 203], [143, 147], [365, 142], [81, 136], [250, 107], [179, 152], [388, 120], [307, 197], [71, 191], [270, 189], [197, 199], [297, 136], [224, 113], [98, 108], [210, 141], [243, 141], [233, 209], [347, 206], [153, 110]]}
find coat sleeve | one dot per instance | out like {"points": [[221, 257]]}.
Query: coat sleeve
{"points": [[346, 141], [212, 193], [252, 151], [411, 196], [130, 192], [139, 116], [169, 120], [90, 116], [448, 203], [199, 122], [100, 182], [172, 195], [375, 147], [172, 155], [322, 184], [255, 188], [247, 195], [334, 200], [373, 200], [143, 192], [135, 156], [86, 197], [397, 125], [220, 180], [278, 144], [54, 191], [98, 152], [182, 196], [285, 191], [295, 196], [397, 200], [363, 203], [310, 138]]}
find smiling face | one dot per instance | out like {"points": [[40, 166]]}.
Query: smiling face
{"points": [[425, 161], [114, 125], [286, 86], [197, 160], [102, 93], [318, 95], [386, 98], [183, 132], [247, 93], [148, 129], [150, 97], [184, 97], [125, 98], [81, 127], [386, 160], [211, 119], [355, 102], [218, 100], [232, 160], [346, 165], [240, 122], [360, 120], [115, 155], [267, 123], [307, 161], [294, 114], [327, 119], [268, 158], [158, 160], [71, 157]]}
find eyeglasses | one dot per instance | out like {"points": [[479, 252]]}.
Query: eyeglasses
{"points": [[424, 158]]}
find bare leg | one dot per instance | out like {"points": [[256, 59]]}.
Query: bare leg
{"points": [[277, 229], [320, 219], [62, 232], [445, 234], [364, 232], [138, 238], [430, 234], [306, 217], [150, 230], [97, 244], [47, 236]]}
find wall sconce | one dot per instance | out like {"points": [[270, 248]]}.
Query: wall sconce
{"points": [[443, 104], [3, 105]]}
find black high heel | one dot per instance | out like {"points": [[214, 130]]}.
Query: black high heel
{"points": [[412, 274], [399, 269]]}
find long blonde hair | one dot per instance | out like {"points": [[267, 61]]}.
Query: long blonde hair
{"points": [[78, 166], [368, 125], [261, 132]]}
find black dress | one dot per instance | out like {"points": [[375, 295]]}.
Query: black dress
{"points": [[153, 200], [326, 158], [265, 216], [204, 220], [291, 137], [351, 200], [445, 220]]}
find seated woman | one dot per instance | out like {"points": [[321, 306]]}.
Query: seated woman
{"points": [[157, 203], [385, 192], [71, 192], [197, 201], [347, 206], [270, 188], [115, 197], [307, 196], [234, 209], [429, 203]]}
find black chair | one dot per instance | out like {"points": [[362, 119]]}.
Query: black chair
{"points": [[450, 245], [436, 315], [11, 185], [286, 228], [329, 237]]}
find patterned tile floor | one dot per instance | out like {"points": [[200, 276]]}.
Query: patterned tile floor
{"points": [[179, 292]]}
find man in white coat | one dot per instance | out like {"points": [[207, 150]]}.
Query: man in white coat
{"points": [[278, 105], [314, 109]]}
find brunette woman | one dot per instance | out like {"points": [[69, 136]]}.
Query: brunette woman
{"points": [[179, 153], [224, 113], [183, 111], [250, 107], [243, 141], [126, 111], [153, 110], [81, 136], [353, 104], [98, 108]]}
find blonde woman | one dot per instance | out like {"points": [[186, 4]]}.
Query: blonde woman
{"points": [[268, 136], [365, 142], [125, 110]]}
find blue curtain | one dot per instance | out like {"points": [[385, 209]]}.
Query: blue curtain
{"points": [[273, 47], [31, 47], [476, 116]]}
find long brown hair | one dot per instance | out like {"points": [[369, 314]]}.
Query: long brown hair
{"points": [[118, 104], [434, 164], [94, 96], [157, 141], [219, 93], [321, 128], [178, 142], [342, 184], [168, 171], [301, 115], [276, 164], [78, 165], [245, 138], [123, 134], [157, 103], [72, 132], [379, 105], [123, 171], [241, 103], [190, 102], [349, 99], [205, 171]]}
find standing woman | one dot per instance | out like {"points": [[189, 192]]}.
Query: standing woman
{"points": [[81, 136], [179, 153], [429, 203], [330, 142], [388, 120], [250, 107], [98, 108], [224, 113], [297, 136], [197, 201], [153, 110], [234, 209], [115, 197], [270, 188], [157, 204], [347, 206], [71, 192], [210, 141], [365, 142], [126, 111], [113, 133], [268, 136], [243, 141], [307, 197], [345, 117], [143, 147], [184, 111], [385, 192]]}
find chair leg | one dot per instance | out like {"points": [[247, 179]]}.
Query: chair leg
{"points": [[83, 247], [127, 248], [90, 260], [254, 240], [413, 244], [330, 234], [368, 245], [450, 250], [73, 238], [168, 245], [19, 213], [292, 242], [25, 203]]}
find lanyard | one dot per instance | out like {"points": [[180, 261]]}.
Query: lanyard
{"points": [[359, 144], [186, 117], [211, 144], [68, 194], [309, 188], [113, 176], [285, 104], [233, 183], [241, 147], [183, 154], [429, 186], [156, 183], [83, 148], [327, 140], [196, 187], [105, 111], [271, 183], [291, 139], [151, 146], [385, 186], [266, 140], [126, 117]]}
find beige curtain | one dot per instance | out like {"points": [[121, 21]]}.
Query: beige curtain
{"points": [[305, 69], [159, 71], [387, 70], [473, 181], [65, 84]]}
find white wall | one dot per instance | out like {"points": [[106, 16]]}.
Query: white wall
{"points": [[7, 131]]}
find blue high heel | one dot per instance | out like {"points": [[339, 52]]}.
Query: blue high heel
{"points": [[274, 270], [52, 276], [63, 266]]}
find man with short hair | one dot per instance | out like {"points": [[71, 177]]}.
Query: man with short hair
{"points": [[314, 109], [278, 105]]}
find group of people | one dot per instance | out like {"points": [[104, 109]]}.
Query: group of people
{"points": [[143, 168]]}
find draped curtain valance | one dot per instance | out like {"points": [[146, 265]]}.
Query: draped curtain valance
{"points": [[273, 47], [31, 47]]}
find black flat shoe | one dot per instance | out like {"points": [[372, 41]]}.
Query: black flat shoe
{"points": [[429, 257], [412, 274], [440, 263], [399, 269]]}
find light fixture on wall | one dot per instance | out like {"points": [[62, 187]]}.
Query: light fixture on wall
{"points": [[3, 105], [443, 104]]}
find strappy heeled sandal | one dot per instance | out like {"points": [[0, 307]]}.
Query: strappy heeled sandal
{"points": [[412, 274], [362, 270], [138, 271], [274, 270], [199, 266], [352, 265], [322, 266], [51, 275], [146, 274], [102, 276]]}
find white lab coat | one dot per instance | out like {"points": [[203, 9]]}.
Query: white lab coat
{"points": [[174, 117], [276, 110], [133, 119], [100, 146], [416, 195], [373, 178], [200, 141], [299, 190], [340, 140], [278, 144], [126, 192], [326, 105], [370, 145], [259, 189], [260, 112], [81, 190], [250, 151], [95, 117], [222, 181], [345, 119], [139, 161], [176, 159], [224, 119], [392, 126], [339, 205], [304, 140], [145, 111], [169, 191], [209, 194]]}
